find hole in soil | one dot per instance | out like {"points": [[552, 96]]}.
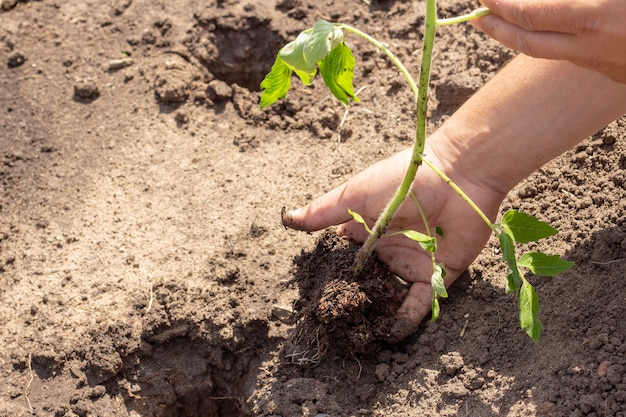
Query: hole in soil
{"points": [[190, 377], [237, 50], [205, 403]]}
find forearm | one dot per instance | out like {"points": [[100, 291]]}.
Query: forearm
{"points": [[529, 113]]}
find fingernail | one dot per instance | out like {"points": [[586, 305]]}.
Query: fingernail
{"points": [[287, 217]]}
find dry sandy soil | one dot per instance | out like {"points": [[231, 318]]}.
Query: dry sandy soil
{"points": [[141, 250]]}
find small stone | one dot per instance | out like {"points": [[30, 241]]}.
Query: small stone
{"points": [[603, 368], [7, 4], [283, 313], [181, 118], [117, 64]]}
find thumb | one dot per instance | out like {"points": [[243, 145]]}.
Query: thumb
{"points": [[414, 309], [328, 210]]}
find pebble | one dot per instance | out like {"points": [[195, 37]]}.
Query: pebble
{"points": [[283, 313], [118, 64]]}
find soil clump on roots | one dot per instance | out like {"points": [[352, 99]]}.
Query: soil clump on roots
{"points": [[338, 310]]}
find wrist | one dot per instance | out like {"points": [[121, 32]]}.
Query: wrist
{"points": [[468, 160]]}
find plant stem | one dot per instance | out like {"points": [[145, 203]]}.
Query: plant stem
{"points": [[422, 213], [462, 194], [420, 138], [386, 51], [483, 11]]}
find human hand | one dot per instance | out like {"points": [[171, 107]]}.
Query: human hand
{"points": [[465, 234], [588, 33]]}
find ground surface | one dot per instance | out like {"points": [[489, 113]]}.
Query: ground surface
{"points": [[141, 250]]}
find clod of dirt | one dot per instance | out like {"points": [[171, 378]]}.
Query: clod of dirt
{"points": [[451, 363], [173, 79], [86, 90], [219, 90], [16, 59], [338, 310], [120, 6], [9, 4]]}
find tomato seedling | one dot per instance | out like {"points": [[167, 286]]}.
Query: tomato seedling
{"points": [[323, 48]]}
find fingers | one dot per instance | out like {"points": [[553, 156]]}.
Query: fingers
{"points": [[353, 231], [562, 30], [550, 45], [541, 15], [375, 185], [415, 307], [327, 210]]}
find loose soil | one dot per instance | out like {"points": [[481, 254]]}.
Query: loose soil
{"points": [[143, 267]]}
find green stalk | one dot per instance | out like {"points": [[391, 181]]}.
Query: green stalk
{"points": [[462, 194], [388, 213], [386, 51], [483, 11]]}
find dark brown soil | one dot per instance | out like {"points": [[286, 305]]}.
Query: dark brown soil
{"points": [[143, 267], [337, 309]]}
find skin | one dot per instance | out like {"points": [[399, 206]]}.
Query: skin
{"points": [[533, 108], [588, 33]]}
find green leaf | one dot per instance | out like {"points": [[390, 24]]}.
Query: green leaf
{"points": [[311, 46], [359, 219], [524, 228], [544, 265], [437, 280], [514, 276], [324, 38], [427, 243], [337, 69], [439, 288], [275, 84], [293, 53], [529, 311], [439, 231], [305, 77]]}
